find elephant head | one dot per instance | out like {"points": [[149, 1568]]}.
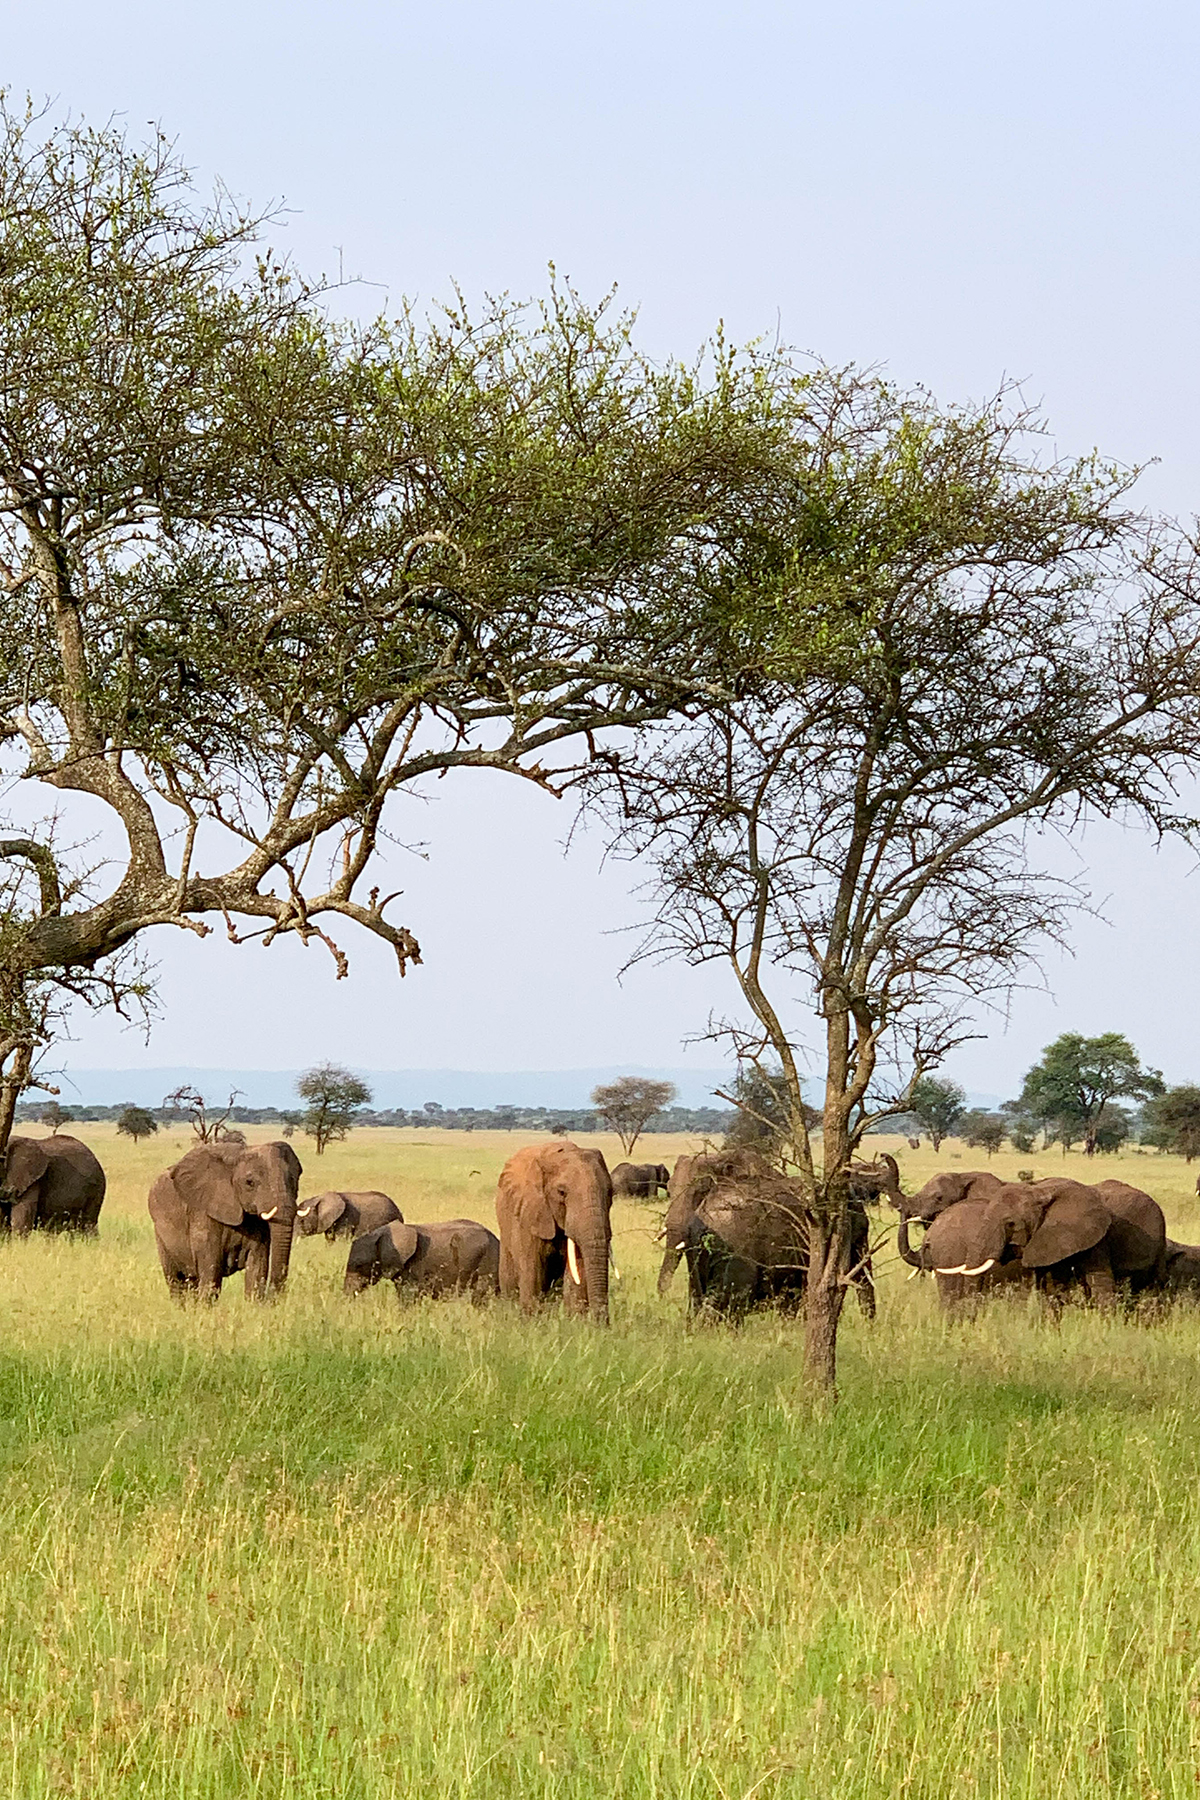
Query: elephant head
{"points": [[1042, 1226], [561, 1193], [386, 1250], [231, 1182], [321, 1213], [949, 1188], [1182, 1272], [25, 1163]]}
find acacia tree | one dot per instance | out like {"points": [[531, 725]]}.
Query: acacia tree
{"points": [[1077, 1077], [262, 570], [332, 1096], [629, 1103], [938, 643], [1173, 1121], [937, 1105]]}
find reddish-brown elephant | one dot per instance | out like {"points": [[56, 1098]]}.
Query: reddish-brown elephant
{"points": [[552, 1205]]}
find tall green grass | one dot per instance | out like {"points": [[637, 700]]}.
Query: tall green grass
{"points": [[321, 1549]]}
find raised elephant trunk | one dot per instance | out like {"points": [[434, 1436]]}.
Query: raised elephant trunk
{"points": [[280, 1254], [891, 1185]]}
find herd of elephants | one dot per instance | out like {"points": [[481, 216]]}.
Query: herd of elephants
{"points": [[228, 1206]]}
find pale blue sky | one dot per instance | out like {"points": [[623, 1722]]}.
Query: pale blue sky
{"points": [[961, 192]]}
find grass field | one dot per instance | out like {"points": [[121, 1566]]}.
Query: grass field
{"points": [[360, 1551]]}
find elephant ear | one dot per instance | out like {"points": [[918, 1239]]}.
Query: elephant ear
{"points": [[25, 1163], [330, 1209], [1070, 1225], [294, 1166], [404, 1239], [204, 1182], [967, 1239]]}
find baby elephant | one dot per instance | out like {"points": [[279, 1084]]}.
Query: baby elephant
{"points": [[431, 1259], [346, 1215]]}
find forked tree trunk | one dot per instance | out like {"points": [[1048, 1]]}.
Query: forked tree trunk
{"points": [[12, 1085]]}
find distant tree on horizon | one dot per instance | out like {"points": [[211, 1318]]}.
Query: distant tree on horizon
{"points": [[137, 1122], [627, 1104], [1077, 1077], [333, 1096], [937, 1106]]}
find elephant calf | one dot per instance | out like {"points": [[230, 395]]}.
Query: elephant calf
{"points": [[438, 1259], [341, 1215]]}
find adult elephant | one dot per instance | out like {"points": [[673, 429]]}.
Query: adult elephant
{"points": [[342, 1215], [51, 1184], [1067, 1236], [743, 1229], [459, 1257], [639, 1181], [957, 1291], [225, 1207], [552, 1204]]}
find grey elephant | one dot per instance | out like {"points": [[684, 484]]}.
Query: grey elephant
{"points": [[1181, 1272], [1069, 1238], [346, 1215], [639, 1181], [454, 1258], [552, 1206], [51, 1184], [742, 1227], [225, 1207], [958, 1293]]}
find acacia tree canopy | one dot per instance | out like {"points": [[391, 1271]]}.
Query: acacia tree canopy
{"points": [[939, 642], [1077, 1077], [262, 569]]}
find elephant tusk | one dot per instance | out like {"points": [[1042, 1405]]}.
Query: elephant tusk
{"points": [[982, 1269], [302, 1212], [573, 1261], [682, 1245], [961, 1270], [612, 1259], [915, 1273], [269, 1215]]}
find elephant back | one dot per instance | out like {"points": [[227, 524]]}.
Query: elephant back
{"points": [[1137, 1238]]}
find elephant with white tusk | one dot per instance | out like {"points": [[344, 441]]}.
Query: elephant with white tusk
{"points": [[1065, 1237], [225, 1207], [346, 1215], [552, 1205]]}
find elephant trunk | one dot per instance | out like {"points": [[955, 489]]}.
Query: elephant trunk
{"points": [[670, 1263], [910, 1256], [594, 1255], [891, 1185], [280, 1256]]}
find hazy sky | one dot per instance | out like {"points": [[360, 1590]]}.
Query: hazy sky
{"points": [[961, 192]]}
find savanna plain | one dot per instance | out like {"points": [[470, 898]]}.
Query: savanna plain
{"points": [[367, 1550]]}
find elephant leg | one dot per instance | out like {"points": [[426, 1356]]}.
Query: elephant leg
{"points": [[510, 1285], [575, 1293], [209, 1269], [531, 1276], [257, 1261], [179, 1285], [23, 1216], [1099, 1283]]}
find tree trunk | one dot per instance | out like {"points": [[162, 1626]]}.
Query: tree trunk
{"points": [[828, 1263], [12, 1086]]}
